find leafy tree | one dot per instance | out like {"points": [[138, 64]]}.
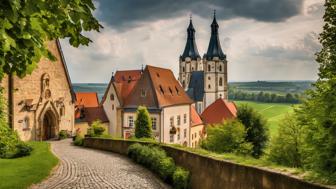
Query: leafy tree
{"points": [[143, 123], [228, 136], [96, 129], [26, 25], [287, 146], [255, 125], [318, 112]]}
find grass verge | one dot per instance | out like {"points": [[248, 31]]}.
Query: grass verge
{"points": [[22, 172]]}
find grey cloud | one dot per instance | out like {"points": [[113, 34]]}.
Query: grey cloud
{"points": [[304, 52], [130, 13]]}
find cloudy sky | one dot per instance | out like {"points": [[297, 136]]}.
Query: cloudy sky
{"points": [[263, 39]]}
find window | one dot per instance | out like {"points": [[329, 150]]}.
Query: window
{"points": [[25, 125], [209, 78], [209, 86], [171, 138], [157, 74], [112, 106], [182, 69], [161, 89], [130, 121], [192, 136], [171, 121], [195, 135], [178, 136], [154, 123], [220, 68], [209, 68], [171, 91], [62, 111], [185, 133], [112, 97], [143, 93], [177, 91], [178, 119], [220, 81], [192, 69], [185, 118]]}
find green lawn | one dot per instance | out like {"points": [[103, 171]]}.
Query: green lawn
{"points": [[22, 172], [273, 112]]}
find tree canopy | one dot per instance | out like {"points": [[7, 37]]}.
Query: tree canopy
{"points": [[143, 123], [26, 25]]}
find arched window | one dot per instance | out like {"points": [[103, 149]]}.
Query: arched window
{"points": [[209, 68], [209, 78], [62, 111], [209, 86], [183, 69], [220, 68], [220, 81]]}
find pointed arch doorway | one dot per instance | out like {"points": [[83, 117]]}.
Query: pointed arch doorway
{"points": [[49, 125]]}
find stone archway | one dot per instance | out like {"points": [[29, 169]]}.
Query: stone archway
{"points": [[49, 125]]}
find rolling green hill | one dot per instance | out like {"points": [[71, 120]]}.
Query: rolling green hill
{"points": [[273, 112]]}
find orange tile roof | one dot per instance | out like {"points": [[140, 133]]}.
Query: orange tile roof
{"points": [[162, 90], [87, 99], [194, 117], [218, 111]]}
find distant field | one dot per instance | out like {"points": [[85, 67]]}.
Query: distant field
{"points": [[273, 112]]}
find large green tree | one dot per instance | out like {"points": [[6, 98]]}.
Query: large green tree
{"points": [[26, 25], [143, 123], [255, 125], [318, 113]]}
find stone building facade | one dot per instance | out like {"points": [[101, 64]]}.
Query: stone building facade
{"points": [[204, 79], [41, 104]]}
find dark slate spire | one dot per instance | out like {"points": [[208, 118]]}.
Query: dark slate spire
{"points": [[190, 49], [214, 49]]}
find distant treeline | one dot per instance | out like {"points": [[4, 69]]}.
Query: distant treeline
{"points": [[264, 97]]}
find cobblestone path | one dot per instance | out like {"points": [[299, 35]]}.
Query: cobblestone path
{"points": [[89, 168]]}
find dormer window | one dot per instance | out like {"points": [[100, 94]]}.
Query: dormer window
{"points": [[177, 91], [157, 74], [171, 91], [143, 93], [161, 89]]}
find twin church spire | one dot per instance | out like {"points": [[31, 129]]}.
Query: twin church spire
{"points": [[214, 48]]}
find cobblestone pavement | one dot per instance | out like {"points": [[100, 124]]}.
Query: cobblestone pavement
{"points": [[88, 168]]}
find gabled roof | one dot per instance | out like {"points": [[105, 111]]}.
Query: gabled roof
{"points": [[160, 87], [218, 111], [214, 48], [196, 86], [194, 117], [58, 44], [87, 99], [190, 49], [123, 82], [92, 114]]}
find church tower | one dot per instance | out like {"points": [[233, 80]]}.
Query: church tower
{"points": [[190, 60], [215, 69]]}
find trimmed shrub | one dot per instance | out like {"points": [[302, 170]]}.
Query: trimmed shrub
{"points": [[96, 130], [79, 141], [156, 159], [22, 149], [62, 134], [181, 178], [143, 123]]}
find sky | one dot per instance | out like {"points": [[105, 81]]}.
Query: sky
{"points": [[262, 39]]}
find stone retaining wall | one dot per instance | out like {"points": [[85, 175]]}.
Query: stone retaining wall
{"points": [[209, 173]]}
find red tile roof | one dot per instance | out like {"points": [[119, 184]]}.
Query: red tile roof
{"points": [[92, 114], [87, 99], [218, 111], [127, 75], [162, 89], [194, 117], [123, 81]]}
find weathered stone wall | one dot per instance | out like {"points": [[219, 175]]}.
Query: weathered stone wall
{"points": [[32, 90], [208, 173]]}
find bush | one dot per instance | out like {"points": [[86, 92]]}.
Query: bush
{"points": [[286, 147], [79, 141], [255, 126], [227, 137], [156, 159], [96, 130], [143, 123], [181, 178], [22, 149], [62, 134]]}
